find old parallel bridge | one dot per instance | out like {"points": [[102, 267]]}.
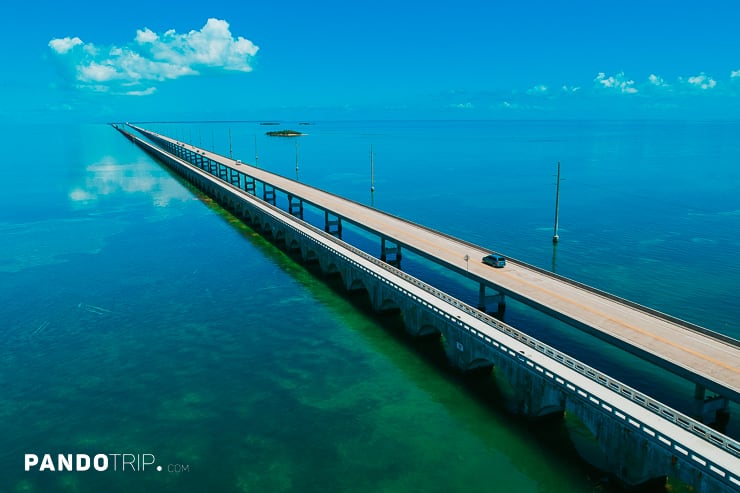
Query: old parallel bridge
{"points": [[639, 438]]}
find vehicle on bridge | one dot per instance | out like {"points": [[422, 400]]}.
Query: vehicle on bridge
{"points": [[494, 260]]}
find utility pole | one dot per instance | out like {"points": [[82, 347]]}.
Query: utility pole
{"points": [[555, 236], [256, 156], [231, 156], [296, 159], [372, 170]]}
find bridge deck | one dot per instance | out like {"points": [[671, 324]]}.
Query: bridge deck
{"points": [[705, 359]]}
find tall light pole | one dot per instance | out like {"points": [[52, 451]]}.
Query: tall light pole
{"points": [[256, 156], [555, 237], [296, 159], [372, 169]]}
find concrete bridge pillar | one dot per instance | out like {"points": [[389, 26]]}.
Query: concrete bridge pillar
{"points": [[711, 410], [295, 206], [390, 254], [268, 193], [497, 299], [223, 172], [249, 185], [333, 224], [234, 177]]}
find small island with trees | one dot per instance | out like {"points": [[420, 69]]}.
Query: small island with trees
{"points": [[284, 133]]}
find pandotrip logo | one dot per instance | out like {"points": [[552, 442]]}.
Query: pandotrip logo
{"points": [[121, 462]]}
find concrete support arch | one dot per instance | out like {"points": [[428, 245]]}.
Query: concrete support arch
{"points": [[292, 245], [327, 264], [353, 282], [308, 254], [614, 447], [383, 299], [420, 322], [527, 393], [463, 351]]}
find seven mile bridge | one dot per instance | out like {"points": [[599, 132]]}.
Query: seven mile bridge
{"points": [[546, 380]]}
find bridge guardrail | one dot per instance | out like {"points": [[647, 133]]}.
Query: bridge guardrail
{"points": [[696, 428]]}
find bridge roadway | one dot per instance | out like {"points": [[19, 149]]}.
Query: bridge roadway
{"points": [[703, 357]]}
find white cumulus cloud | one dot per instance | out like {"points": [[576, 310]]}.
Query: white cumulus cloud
{"points": [[616, 82], [155, 57], [537, 90], [702, 81], [145, 92], [656, 80], [64, 45]]}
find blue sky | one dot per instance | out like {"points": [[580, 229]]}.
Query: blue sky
{"points": [[134, 60]]}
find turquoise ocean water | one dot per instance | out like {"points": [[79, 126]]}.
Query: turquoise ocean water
{"points": [[139, 317]]}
